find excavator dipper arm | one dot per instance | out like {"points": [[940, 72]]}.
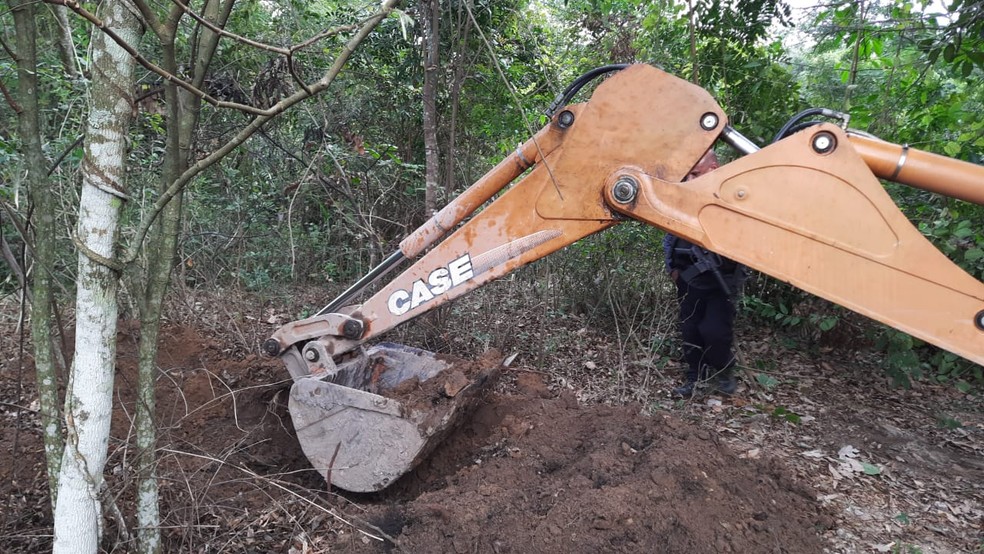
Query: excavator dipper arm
{"points": [[808, 210]]}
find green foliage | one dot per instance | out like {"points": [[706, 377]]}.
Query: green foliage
{"points": [[617, 273], [767, 381], [955, 235], [901, 361], [945, 421], [780, 413], [785, 414], [782, 314], [961, 41], [908, 359]]}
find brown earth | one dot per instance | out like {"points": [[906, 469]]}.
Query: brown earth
{"points": [[532, 470]]}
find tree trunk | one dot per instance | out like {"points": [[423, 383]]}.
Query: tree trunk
{"points": [[852, 76], [692, 31], [458, 79], [43, 221], [66, 46], [430, 13], [89, 398], [183, 113]]}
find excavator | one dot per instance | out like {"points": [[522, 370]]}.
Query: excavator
{"points": [[807, 209]]}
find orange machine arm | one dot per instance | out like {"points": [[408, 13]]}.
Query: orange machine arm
{"points": [[808, 210]]}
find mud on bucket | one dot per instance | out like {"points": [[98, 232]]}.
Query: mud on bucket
{"points": [[401, 403]]}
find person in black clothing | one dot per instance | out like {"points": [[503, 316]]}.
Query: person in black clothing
{"points": [[707, 285]]}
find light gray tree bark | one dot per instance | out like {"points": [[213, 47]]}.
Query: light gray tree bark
{"points": [[77, 519], [89, 398]]}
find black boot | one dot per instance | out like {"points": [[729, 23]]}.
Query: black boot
{"points": [[727, 384], [686, 390]]}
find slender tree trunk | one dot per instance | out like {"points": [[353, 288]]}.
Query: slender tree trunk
{"points": [[852, 76], [430, 12], [183, 113], [66, 45], [29, 119], [160, 253], [692, 31], [89, 398], [458, 79]]}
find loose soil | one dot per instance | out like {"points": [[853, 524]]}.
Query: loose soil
{"points": [[532, 470]]}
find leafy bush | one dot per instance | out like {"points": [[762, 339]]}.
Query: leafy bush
{"points": [[908, 359]]}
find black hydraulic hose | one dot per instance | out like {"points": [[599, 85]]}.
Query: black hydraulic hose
{"points": [[825, 112], [374, 275], [564, 98]]}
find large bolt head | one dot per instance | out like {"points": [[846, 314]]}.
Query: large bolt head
{"points": [[565, 119], [709, 121], [271, 347], [625, 189], [352, 329], [311, 355], [824, 142]]}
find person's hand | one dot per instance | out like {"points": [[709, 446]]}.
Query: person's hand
{"points": [[675, 274]]}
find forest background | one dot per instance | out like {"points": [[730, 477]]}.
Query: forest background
{"points": [[156, 155]]}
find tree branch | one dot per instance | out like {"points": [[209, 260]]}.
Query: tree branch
{"points": [[74, 5], [150, 19], [150, 66], [6, 48], [262, 46], [263, 116], [64, 155], [10, 99], [14, 266], [19, 224], [287, 52]]}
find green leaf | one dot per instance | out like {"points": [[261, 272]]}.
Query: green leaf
{"points": [[973, 254], [766, 380], [952, 148], [966, 68], [783, 413], [871, 469], [877, 46], [948, 53]]}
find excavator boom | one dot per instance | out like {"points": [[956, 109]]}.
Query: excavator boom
{"points": [[808, 210]]}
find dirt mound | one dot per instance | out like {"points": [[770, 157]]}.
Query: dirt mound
{"points": [[532, 474], [528, 472]]}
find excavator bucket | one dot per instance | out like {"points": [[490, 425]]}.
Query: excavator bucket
{"points": [[396, 404]]}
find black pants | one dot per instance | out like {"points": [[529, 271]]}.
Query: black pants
{"points": [[707, 318]]}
